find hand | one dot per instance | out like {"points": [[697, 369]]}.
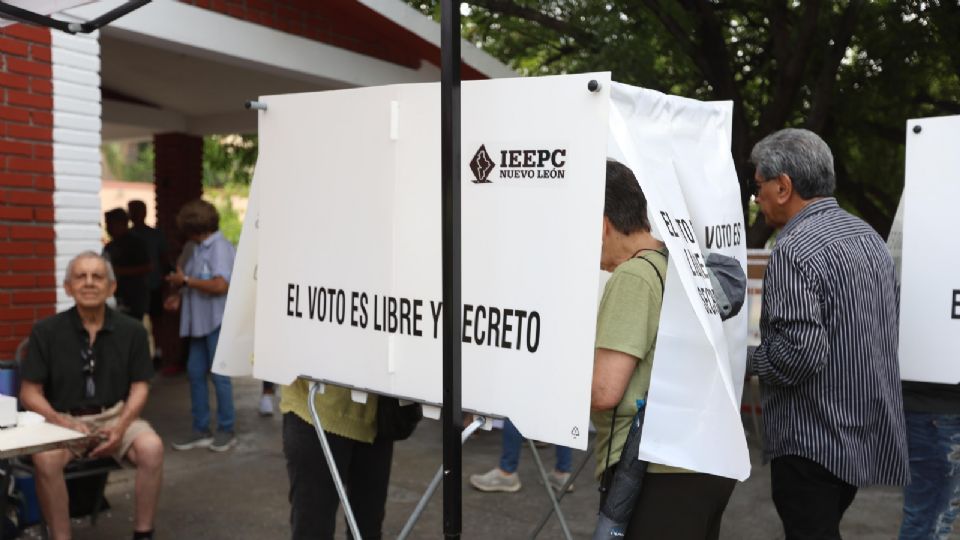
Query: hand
{"points": [[176, 278], [172, 302], [110, 437], [74, 424]]}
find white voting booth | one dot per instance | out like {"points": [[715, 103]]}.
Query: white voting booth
{"points": [[338, 272], [930, 281]]}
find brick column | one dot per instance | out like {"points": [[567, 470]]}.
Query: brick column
{"points": [[27, 249], [178, 177]]}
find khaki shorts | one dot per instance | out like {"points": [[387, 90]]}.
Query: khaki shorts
{"points": [[108, 418]]}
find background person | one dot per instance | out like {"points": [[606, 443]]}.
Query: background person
{"points": [[131, 262], [931, 501], [505, 478], [156, 245], [827, 360], [203, 282], [88, 369]]}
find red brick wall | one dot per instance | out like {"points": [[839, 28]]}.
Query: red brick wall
{"points": [[27, 283], [346, 24], [178, 176]]}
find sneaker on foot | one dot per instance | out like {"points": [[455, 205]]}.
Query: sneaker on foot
{"points": [[496, 480], [223, 441], [557, 479], [195, 440], [266, 405]]}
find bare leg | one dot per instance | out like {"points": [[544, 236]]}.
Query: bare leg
{"points": [[146, 453], [52, 491]]}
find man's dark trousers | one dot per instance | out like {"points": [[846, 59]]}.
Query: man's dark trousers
{"points": [[809, 499], [363, 467]]}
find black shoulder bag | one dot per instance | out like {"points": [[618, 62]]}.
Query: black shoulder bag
{"points": [[621, 490], [396, 422]]}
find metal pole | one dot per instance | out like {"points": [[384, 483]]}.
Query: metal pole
{"points": [[435, 483], [563, 493], [450, 196], [331, 463], [546, 484]]}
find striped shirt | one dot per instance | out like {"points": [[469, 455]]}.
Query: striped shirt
{"points": [[827, 361]]}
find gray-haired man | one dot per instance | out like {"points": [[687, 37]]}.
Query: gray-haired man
{"points": [[827, 361], [88, 369]]}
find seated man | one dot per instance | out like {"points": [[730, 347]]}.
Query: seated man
{"points": [[88, 369]]}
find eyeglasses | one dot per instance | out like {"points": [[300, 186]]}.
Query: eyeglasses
{"points": [[82, 277], [755, 186], [89, 364]]}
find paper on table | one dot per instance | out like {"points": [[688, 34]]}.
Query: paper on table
{"points": [[29, 418]]}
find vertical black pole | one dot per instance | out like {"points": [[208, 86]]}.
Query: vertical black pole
{"points": [[450, 195]]}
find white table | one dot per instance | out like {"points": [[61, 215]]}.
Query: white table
{"points": [[30, 439]]}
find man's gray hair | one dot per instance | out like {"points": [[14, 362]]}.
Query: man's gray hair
{"points": [[111, 277], [800, 154]]}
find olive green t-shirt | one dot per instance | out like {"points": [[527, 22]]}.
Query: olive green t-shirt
{"points": [[627, 322]]}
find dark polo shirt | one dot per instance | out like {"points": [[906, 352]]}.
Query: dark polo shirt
{"points": [[120, 349]]}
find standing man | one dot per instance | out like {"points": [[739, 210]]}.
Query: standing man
{"points": [[88, 369], [827, 361], [156, 246], [131, 262]]}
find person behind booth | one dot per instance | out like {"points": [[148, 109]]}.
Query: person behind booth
{"points": [[363, 460], [627, 324], [827, 359], [88, 369], [931, 501], [504, 477]]}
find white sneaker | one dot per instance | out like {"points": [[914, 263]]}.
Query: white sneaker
{"points": [[496, 480], [266, 405]]}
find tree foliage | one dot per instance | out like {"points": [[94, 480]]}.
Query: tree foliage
{"points": [[852, 70], [129, 168], [229, 159]]}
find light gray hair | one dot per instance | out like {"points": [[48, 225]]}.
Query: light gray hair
{"points": [[111, 276], [800, 154]]}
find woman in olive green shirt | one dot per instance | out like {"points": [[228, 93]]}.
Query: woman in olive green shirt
{"points": [[673, 503]]}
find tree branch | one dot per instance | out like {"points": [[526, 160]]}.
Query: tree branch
{"points": [[510, 9], [683, 37], [826, 80], [794, 62]]}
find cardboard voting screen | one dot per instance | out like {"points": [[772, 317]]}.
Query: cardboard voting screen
{"points": [[930, 283], [348, 286], [679, 151], [340, 253]]}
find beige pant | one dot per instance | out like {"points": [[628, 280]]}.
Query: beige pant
{"points": [[106, 418]]}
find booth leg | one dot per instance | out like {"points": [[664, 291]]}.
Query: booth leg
{"points": [[563, 493], [553, 497]]}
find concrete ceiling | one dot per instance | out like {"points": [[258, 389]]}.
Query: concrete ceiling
{"points": [[148, 89]]}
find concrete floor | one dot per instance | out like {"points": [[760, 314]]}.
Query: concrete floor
{"points": [[242, 494]]}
